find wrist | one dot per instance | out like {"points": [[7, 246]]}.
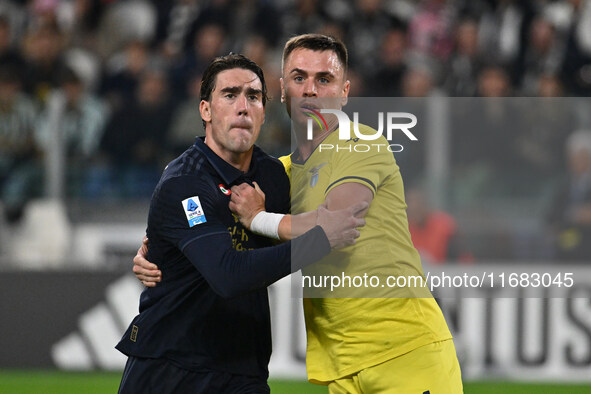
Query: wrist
{"points": [[267, 224], [249, 225]]}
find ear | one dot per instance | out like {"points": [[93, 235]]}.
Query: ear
{"points": [[346, 92], [282, 90], [205, 111]]}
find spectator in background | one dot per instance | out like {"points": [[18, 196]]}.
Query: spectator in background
{"points": [[573, 20], [123, 73], [465, 62], [478, 144], [434, 233], [365, 30], [550, 85], [123, 22], [135, 139], [9, 55], [431, 28], [543, 55], [20, 159], [85, 18], [186, 122], [418, 81], [303, 16], [547, 126], [16, 14], [503, 32], [215, 12], [208, 43], [494, 81], [570, 214], [254, 16], [391, 68], [43, 49], [175, 19], [82, 121]]}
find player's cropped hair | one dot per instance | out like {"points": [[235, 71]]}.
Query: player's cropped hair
{"points": [[317, 42], [228, 62]]}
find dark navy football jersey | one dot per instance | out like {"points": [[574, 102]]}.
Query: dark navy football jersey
{"points": [[211, 310]]}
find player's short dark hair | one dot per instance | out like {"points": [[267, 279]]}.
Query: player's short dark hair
{"points": [[228, 62], [317, 42]]}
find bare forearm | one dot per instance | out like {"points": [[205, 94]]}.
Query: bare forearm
{"points": [[292, 226]]}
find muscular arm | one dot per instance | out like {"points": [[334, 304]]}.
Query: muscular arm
{"points": [[247, 202], [347, 194]]}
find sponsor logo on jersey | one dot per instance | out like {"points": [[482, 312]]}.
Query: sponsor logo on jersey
{"points": [[194, 211]]}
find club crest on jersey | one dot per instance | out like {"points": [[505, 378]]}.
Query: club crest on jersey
{"points": [[227, 192], [193, 211], [315, 174]]}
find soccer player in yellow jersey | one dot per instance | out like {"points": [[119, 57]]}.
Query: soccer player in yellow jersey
{"points": [[397, 344], [358, 345]]}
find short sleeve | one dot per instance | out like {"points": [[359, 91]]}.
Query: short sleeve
{"points": [[366, 162]]}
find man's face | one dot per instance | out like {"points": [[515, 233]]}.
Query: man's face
{"points": [[309, 75], [235, 111]]}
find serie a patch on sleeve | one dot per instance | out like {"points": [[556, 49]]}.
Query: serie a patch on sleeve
{"points": [[194, 211]]}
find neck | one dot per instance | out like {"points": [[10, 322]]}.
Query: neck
{"points": [[306, 146], [240, 161]]}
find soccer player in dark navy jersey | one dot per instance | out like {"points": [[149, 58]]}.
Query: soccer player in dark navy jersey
{"points": [[206, 327]]}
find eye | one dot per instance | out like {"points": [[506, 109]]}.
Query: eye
{"points": [[229, 95], [253, 97], [298, 78], [323, 80]]}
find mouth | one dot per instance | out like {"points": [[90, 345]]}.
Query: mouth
{"points": [[243, 126], [309, 107]]}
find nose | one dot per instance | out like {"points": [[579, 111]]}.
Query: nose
{"points": [[242, 104], [310, 88]]}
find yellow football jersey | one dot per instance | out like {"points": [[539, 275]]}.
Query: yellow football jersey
{"points": [[344, 334]]}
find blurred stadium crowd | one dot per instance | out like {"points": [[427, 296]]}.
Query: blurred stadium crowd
{"points": [[116, 83]]}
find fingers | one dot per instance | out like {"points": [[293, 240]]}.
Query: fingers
{"points": [[359, 207], [141, 262], [149, 278], [153, 273], [240, 188], [359, 222], [258, 189], [348, 238]]}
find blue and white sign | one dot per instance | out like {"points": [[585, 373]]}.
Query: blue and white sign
{"points": [[194, 211]]}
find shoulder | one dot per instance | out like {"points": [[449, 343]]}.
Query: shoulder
{"points": [[269, 163], [187, 173], [368, 150], [191, 162]]}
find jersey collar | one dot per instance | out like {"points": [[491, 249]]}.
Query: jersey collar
{"points": [[229, 173]]}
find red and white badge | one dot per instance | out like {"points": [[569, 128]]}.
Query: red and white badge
{"points": [[227, 192]]}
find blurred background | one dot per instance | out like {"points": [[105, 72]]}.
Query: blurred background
{"points": [[96, 96]]}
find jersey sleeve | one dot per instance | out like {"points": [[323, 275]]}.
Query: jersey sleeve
{"points": [[231, 273], [367, 162], [185, 208]]}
